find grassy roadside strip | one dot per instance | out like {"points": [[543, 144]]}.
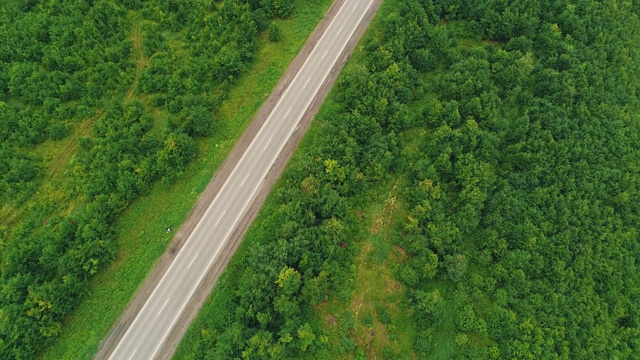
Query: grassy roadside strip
{"points": [[382, 325], [141, 229], [224, 287]]}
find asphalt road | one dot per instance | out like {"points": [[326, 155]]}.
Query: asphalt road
{"points": [[159, 314]]}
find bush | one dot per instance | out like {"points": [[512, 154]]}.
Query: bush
{"points": [[275, 34]]}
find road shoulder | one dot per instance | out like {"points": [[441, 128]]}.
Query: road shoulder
{"points": [[207, 196]]}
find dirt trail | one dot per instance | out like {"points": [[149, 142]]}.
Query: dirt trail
{"points": [[141, 60], [63, 152]]}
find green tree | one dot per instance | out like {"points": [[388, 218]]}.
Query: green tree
{"points": [[289, 281], [306, 336], [275, 34], [283, 8]]}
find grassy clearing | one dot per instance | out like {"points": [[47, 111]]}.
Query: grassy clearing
{"points": [[55, 191], [369, 320], [373, 322], [223, 290], [141, 229]]}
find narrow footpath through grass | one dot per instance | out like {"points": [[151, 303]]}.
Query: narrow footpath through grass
{"points": [[142, 236]]}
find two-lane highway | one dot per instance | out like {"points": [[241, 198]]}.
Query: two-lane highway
{"points": [[148, 331]]}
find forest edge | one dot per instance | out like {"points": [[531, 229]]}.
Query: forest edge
{"points": [[183, 232]]}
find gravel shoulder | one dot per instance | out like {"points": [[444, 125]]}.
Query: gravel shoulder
{"points": [[207, 196]]}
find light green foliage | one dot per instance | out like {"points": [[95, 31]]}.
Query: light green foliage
{"points": [[306, 336], [514, 128], [275, 34], [288, 281], [136, 84]]}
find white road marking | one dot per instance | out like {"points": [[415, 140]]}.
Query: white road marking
{"points": [[245, 179], [194, 259], [134, 352], [162, 308], [339, 31], [305, 84], [220, 218], [269, 142], [211, 205], [288, 111], [325, 54], [354, 7], [210, 262]]}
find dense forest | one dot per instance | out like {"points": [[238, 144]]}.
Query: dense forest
{"points": [[523, 192], [513, 130], [145, 79]]}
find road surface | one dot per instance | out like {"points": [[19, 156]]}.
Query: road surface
{"points": [[159, 314]]}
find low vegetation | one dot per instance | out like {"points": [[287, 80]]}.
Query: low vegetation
{"points": [[102, 103], [510, 132]]}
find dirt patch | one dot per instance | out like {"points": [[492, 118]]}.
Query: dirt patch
{"points": [[402, 252], [494, 42], [392, 285], [331, 320], [384, 217], [366, 249]]}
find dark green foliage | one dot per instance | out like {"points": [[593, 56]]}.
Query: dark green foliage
{"points": [[383, 314], [121, 158], [19, 174], [156, 76], [152, 39], [261, 19], [57, 52], [522, 184], [283, 8], [275, 34], [521, 188], [63, 62]]}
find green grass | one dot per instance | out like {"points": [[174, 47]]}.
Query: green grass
{"points": [[373, 319], [234, 268], [141, 229], [376, 302], [443, 346]]}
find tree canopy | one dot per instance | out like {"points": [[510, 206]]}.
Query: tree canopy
{"points": [[514, 128], [130, 86]]}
